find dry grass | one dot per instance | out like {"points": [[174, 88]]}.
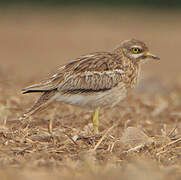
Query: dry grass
{"points": [[140, 136]]}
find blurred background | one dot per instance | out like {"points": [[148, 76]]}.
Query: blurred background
{"points": [[38, 36]]}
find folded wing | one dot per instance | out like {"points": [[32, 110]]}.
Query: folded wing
{"points": [[93, 72]]}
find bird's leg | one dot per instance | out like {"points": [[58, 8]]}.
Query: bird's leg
{"points": [[96, 120]]}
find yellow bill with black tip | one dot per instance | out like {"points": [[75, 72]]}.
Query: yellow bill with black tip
{"points": [[152, 56]]}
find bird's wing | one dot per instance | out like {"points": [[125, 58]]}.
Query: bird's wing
{"points": [[48, 84], [96, 71]]}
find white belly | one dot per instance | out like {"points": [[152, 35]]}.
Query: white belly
{"points": [[98, 99]]}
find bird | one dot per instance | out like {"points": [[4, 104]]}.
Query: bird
{"points": [[95, 80]]}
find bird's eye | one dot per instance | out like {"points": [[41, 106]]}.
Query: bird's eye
{"points": [[136, 50]]}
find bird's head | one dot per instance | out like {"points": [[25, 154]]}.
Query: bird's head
{"points": [[137, 51]]}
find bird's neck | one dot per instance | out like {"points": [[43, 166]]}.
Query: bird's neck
{"points": [[132, 71], [130, 68], [133, 74]]}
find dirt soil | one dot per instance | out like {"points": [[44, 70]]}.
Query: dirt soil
{"points": [[140, 138]]}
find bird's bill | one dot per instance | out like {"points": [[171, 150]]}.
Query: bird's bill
{"points": [[152, 56]]}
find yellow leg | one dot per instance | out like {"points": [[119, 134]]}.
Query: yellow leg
{"points": [[96, 121]]}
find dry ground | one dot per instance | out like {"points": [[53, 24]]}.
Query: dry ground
{"points": [[141, 135]]}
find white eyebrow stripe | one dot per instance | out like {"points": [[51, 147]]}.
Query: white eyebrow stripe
{"points": [[136, 46]]}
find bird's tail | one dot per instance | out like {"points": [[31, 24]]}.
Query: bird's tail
{"points": [[45, 99], [34, 91]]}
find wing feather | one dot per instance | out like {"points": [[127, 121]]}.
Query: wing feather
{"points": [[92, 81], [95, 71]]}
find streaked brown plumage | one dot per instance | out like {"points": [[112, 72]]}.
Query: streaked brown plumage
{"points": [[94, 80]]}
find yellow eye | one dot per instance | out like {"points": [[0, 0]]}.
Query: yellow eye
{"points": [[136, 50]]}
